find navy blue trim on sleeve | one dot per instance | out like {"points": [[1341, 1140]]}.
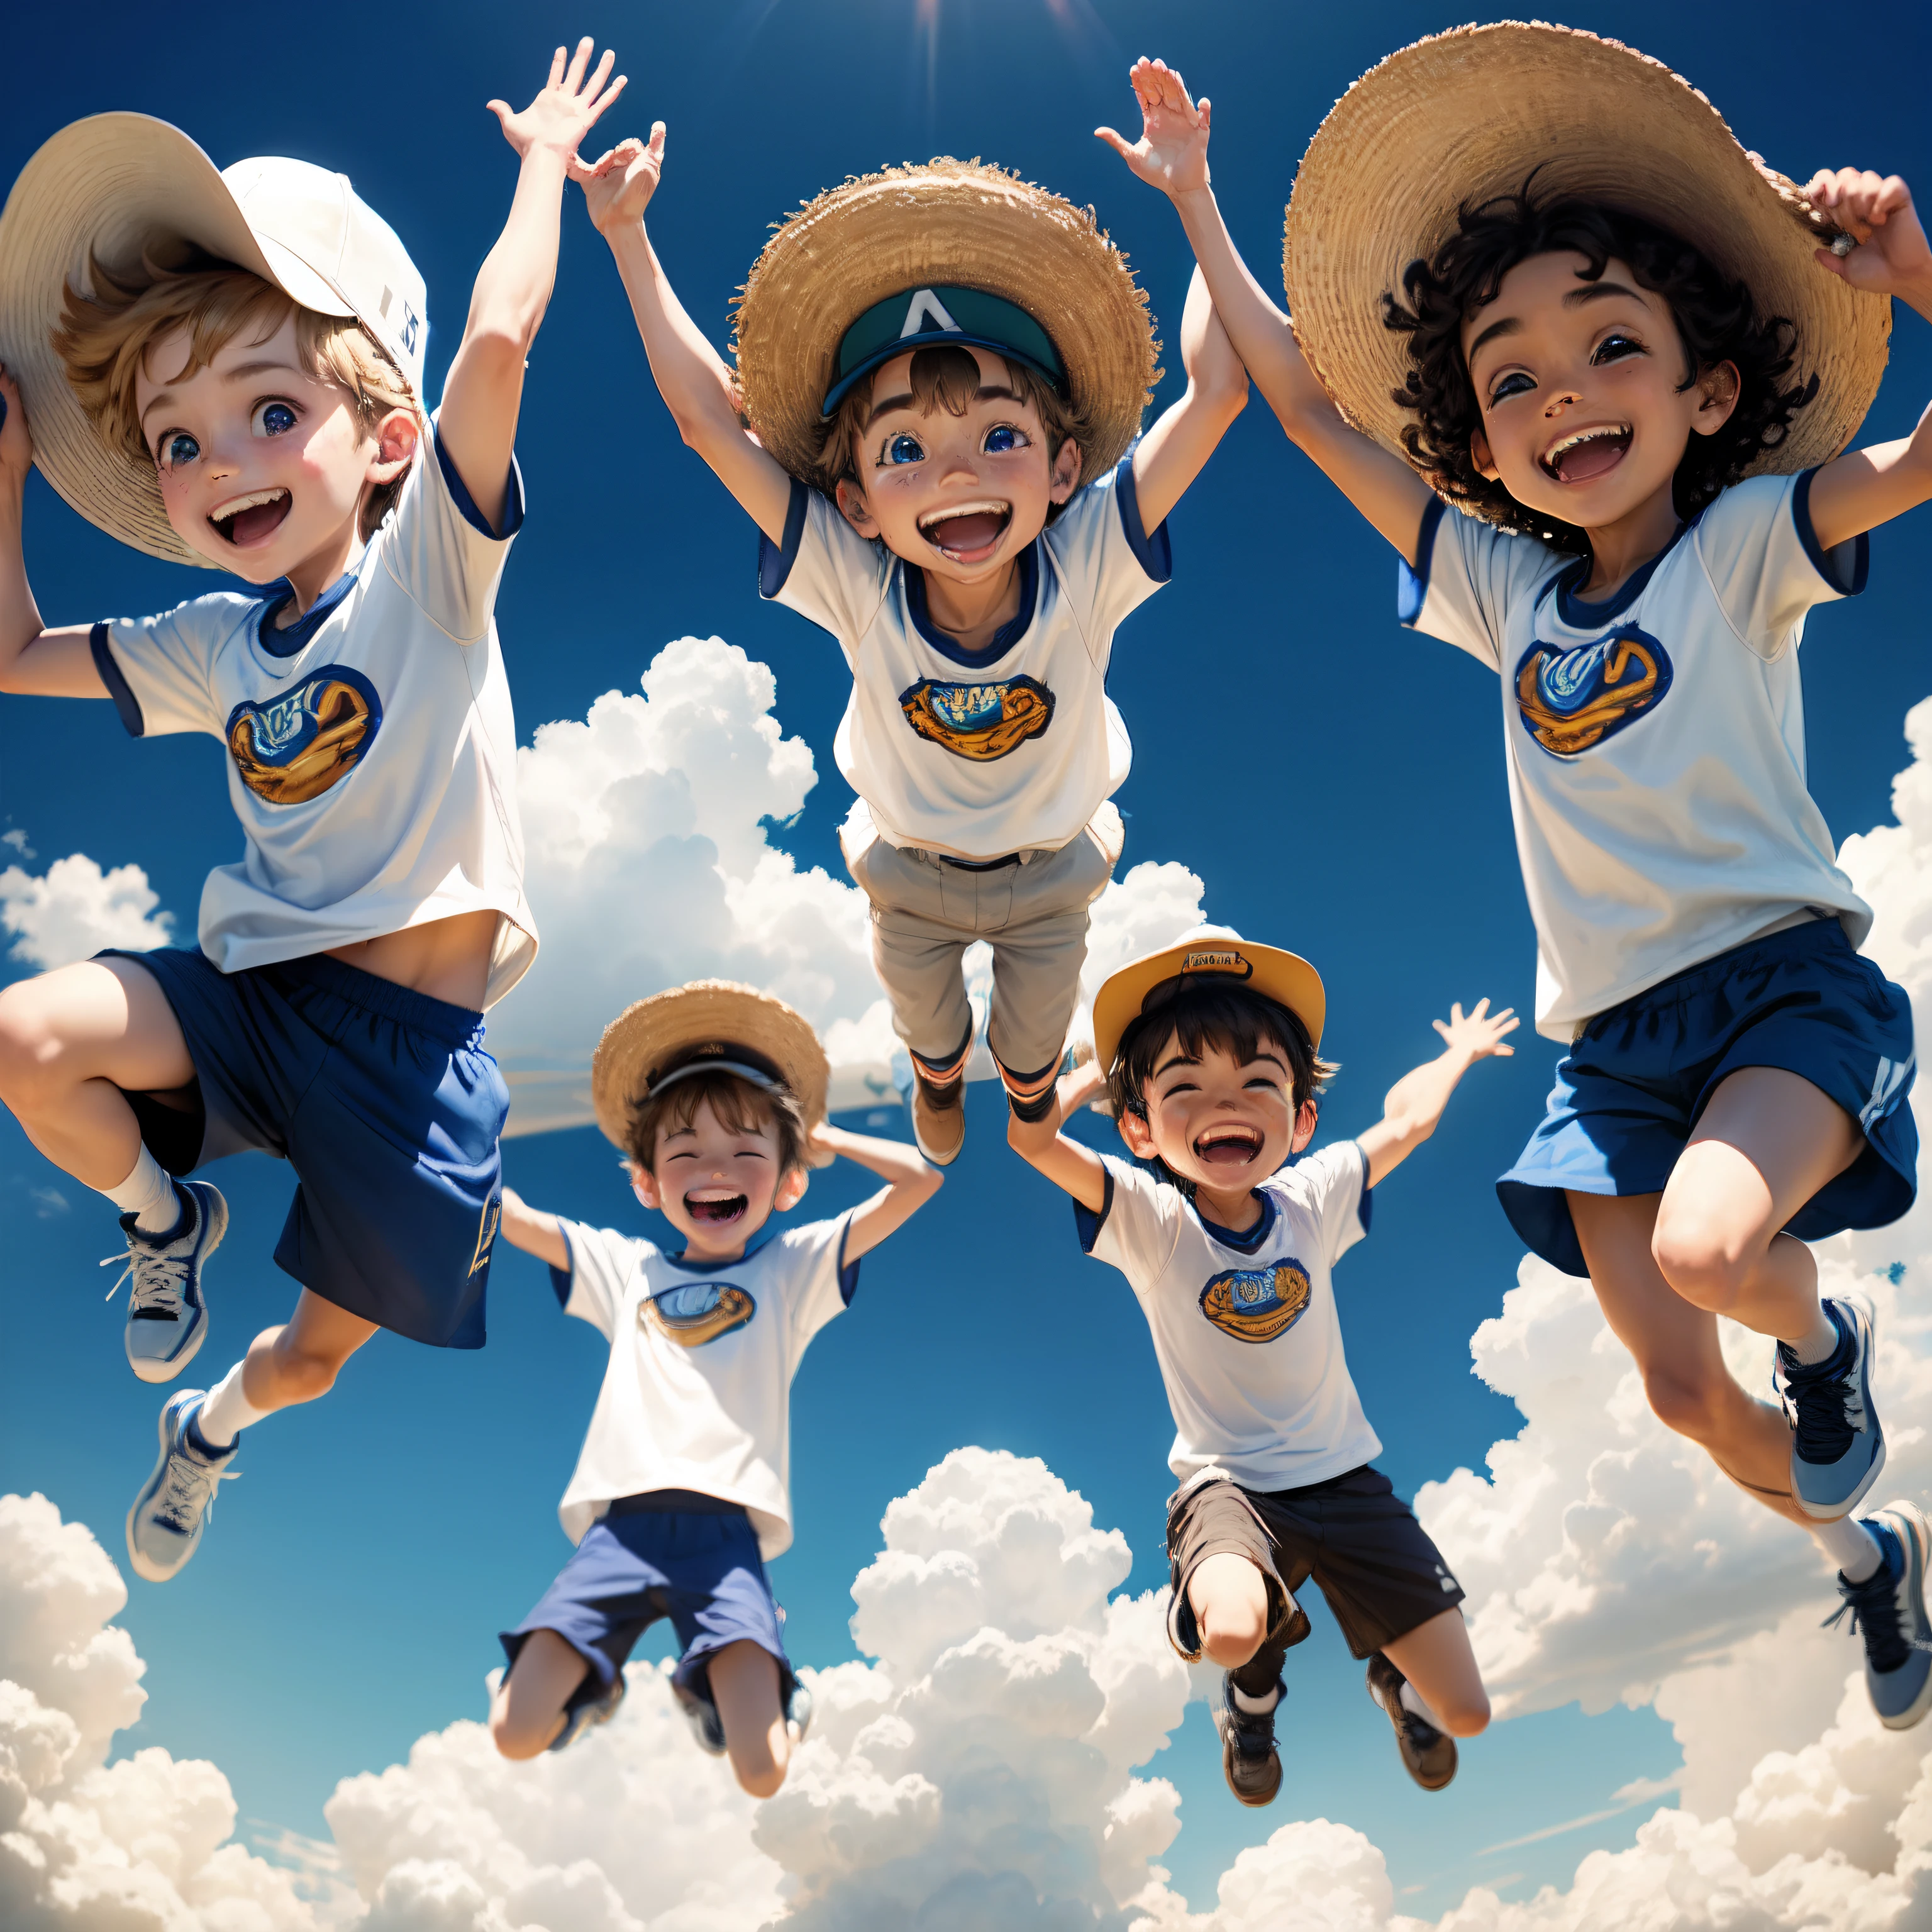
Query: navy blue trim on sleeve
{"points": [[1087, 1224], [775, 560], [1846, 575], [459, 494], [115, 680], [1365, 1209], [848, 1271], [560, 1277], [1155, 553], [1411, 586]]}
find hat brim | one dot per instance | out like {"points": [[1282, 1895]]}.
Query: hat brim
{"points": [[654, 1033], [1466, 116], [111, 187], [962, 223], [1284, 977]]}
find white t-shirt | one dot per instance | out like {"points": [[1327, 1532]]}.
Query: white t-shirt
{"points": [[1655, 740], [372, 751], [697, 1395], [1244, 1326], [977, 754]]}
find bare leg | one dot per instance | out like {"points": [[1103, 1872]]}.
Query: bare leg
{"points": [[1228, 1596], [1436, 1658], [301, 1360], [1677, 1352], [527, 1711], [744, 1687], [69, 1042]]}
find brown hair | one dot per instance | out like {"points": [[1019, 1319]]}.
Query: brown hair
{"points": [[1200, 1013], [740, 1108], [947, 378], [104, 340]]}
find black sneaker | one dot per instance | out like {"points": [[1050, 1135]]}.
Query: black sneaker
{"points": [[1428, 1755], [1248, 1758]]}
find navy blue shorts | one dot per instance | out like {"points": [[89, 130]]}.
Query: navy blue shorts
{"points": [[383, 1102], [672, 1553], [1629, 1092]]}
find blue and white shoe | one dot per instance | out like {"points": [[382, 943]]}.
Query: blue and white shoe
{"points": [[1887, 1610], [164, 1526], [706, 1726], [798, 1712], [1838, 1448], [600, 1710], [167, 1320]]}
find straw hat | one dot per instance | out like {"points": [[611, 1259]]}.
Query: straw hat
{"points": [[1466, 116], [715, 1020], [940, 224], [114, 187], [1213, 953]]}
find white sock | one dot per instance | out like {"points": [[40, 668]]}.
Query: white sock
{"points": [[225, 1411], [1256, 1706], [149, 1196], [1850, 1545], [1818, 1344], [1413, 1701]]}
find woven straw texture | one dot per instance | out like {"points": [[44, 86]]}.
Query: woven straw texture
{"points": [[1466, 116], [964, 223]]}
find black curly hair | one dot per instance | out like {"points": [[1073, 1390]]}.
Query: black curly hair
{"points": [[1716, 322]]}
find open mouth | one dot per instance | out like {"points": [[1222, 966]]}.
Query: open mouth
{"points": [[1230, 1144], [1588, 454], [244, 521], [969, 534], [712, 1207]]}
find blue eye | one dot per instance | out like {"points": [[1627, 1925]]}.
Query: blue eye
{"points": [[1504, 388], [177, 448], [905, 449], [1001, 438], [275, 418]]}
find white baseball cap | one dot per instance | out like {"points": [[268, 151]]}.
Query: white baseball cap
{"points": [[114, 186]]}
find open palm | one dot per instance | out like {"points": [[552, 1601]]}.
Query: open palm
{"points": [[1479, 1034], [1172, 154], [568, 107]]}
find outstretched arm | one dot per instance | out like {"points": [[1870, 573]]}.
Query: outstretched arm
{"points": [[911, 1184], [484, 390], [1171, 155], [1074, 1169], [535, 1233], [697, 387], [1415, 1102], [1171, 453], [1865, 487]]}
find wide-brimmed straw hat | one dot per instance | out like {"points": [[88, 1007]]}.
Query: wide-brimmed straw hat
{"points": [[709, 1023], [1211, 954], [1467, 115], [115, 188], [924, 230]]}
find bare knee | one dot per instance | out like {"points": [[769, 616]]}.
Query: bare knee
{"points": [[300, 1376], [1686, 1405], [30, 1074], [1230, 1634], [762, 1779], [517, 1738], [1465, 1717], [1705, 1262]]}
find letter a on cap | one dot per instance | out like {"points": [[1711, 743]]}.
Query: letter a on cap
{"points": [[926, 307]]}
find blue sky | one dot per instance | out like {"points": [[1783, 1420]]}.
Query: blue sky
{"points": [[1333, 780]]}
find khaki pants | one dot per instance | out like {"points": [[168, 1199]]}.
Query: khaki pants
{"points": [[925, 912]]}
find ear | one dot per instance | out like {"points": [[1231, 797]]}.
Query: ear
{"points": [[1718, 388], [1134, 1131], [1064, 477], [852, 504], [791, 1190], [1481, 455], [397, 438], [644, 1186], [1305, 1118]]}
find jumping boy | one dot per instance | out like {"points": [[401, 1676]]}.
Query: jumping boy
{"points": [[1597, 356], [1210, 1051], [227, 370], [716, 1093], [944, 370]]}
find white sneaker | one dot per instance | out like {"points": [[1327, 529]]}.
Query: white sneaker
{"points": [[164, 1526], [167, 1320]]}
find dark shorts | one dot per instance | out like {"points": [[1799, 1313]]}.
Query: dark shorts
{"points": [[670, 1554], [1359, 1540], [384, 1102], [1629, 1092]]}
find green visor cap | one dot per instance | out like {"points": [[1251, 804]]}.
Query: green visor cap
{"points": [[929, 318]]}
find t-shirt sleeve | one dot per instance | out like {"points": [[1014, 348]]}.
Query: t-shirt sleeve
{"points": [[1467, 576], [824, 569], [1138, 1225], [819, 1282], [601, 1264], [1765, 564], [160, 671], [1333, 1185], [1108, 564], [440, 547]]}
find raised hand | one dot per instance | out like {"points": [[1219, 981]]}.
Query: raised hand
{"points": [[567, 108], [16, 446], [618, 186], [1172, 154], [1480, 1034], [1891, 257]]}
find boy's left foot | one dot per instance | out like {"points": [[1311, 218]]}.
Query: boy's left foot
{"points": [[600, 1710], [701, 1714], [798, 1713], [1887, 1610], [1249, 1759], [164, 1526], [1838, 1448], [1428, 1755], [167, 1320], [938, 1127]]}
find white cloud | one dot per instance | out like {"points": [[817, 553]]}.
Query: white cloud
{"points": [[73, 910]]}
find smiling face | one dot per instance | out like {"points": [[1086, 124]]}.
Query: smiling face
{"points": [[959, 495], [717, 1184], [1580, 386], [263, 466]]}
